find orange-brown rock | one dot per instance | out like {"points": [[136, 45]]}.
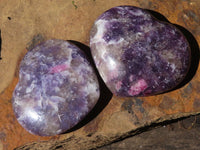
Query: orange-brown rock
{"points": [[26, 23]]}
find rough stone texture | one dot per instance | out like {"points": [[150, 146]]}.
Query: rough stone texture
{"points": [[179, 135], [33, 21], [136, 54], [57, 88]]}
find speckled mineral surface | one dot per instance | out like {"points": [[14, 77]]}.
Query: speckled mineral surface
{"points": [[57, 88], [136, 54]]}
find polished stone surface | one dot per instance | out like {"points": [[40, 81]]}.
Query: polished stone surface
{"points": [[136, 54], [57, 88]]}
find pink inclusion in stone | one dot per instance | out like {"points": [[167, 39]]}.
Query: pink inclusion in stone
{"points": [[138, 87], [59, 68], [136, 54], [57, 88]]}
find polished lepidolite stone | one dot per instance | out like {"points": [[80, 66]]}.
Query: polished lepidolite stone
{"points": [[57, 88], [136, 54]]}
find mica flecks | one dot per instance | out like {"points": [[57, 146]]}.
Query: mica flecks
{"points": [[136, 54], [57, 88]]}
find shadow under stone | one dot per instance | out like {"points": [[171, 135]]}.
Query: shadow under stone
{"points": [[105, 94], [195, 55], [157, 15]]}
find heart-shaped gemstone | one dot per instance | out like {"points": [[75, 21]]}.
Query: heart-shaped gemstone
{"points": [[136, 54], [57, 88]]}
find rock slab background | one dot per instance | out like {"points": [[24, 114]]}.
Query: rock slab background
{"points": [[26, 23]]}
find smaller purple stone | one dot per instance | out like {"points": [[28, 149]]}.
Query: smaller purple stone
{"points": [[136, 54], [57, 88]]}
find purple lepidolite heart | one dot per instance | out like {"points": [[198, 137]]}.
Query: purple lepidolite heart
{"points": [[57, 88], [136, 54]]}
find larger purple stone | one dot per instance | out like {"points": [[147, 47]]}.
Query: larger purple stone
{"points": [[57, 88], [136, 54]]}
